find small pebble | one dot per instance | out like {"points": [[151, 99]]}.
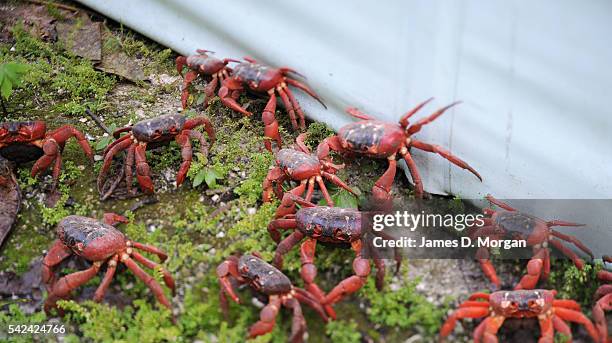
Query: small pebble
{"points": [[251, 211], [221, 234], [215, 198]]}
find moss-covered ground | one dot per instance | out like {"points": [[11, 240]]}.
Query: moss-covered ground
{"points": [[216, 213]]}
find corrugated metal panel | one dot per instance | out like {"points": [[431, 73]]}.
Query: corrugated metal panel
{"points": [[534, 78]]}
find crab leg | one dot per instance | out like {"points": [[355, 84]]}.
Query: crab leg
{"points": [[108, 160], [416, 127], [287, 205], [573, 240], [534, 271], [286, 244], [328, 198], [274, 175], [209, 90], [296, 106], [187, 154], [479, 331], [111, 267], [499, 203], [168, 280], [310, 191], [62, 134], [562, 327], [352, 284], [414, 172], [62, 287], [129, 166], [271, 125], [602, 305], [202, 121], [51, 150], [267, 318], [226, 270], [55, 256], [567, 303], [305, 297], [355, 112], [577, 317], [404, 119], [298, 324], [567, 252], [492, 327], [482, 255], [446, 154], [289, 106], [57, 169], [275, 225], [115, 142], [336, 181], [188, 79], [308, 272], [382, 187], [547, 331], [467, 312], [143, 171], [228, 94], [149, 248], [328, 143], [147, 279], [306, 89]]}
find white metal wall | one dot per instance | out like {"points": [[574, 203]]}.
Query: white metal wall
{"points": [[534, 78]]}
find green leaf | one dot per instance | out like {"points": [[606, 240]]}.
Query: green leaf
{"points": [[200, 99], [197, 180], [17, 68], [103, 142], [6, 89], [342, 198], [211, 176]]}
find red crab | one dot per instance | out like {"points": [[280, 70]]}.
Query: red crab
{"points": [[100, 243], [259, 78], [300, 165], [328, 225], [214, 69], [265, 278], [152, 133], [380, 139], [27, 141], [537, 233], [603, 295], [551, 313]]}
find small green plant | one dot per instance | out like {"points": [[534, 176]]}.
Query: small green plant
{"points": [[573, 283], [402, 308], [340, 331], [10, 77]]}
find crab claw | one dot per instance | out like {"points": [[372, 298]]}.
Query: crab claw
{"points": [[114, 218], [224, 270]]}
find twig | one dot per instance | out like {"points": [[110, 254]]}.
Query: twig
{"points": [[54, 4], [99, 122]]}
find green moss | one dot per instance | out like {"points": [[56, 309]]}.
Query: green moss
{"points": [[15, 316], [316, 133], [404, 308], [340, 331], [572, 283], [70, 83]]}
